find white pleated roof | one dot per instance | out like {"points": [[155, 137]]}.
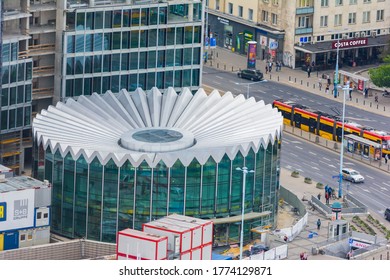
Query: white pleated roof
{"points": [[92, 126]]}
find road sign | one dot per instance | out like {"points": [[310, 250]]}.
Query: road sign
{"points": [[350, 241], [273, 45]]}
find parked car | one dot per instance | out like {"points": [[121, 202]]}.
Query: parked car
{"points": [[387, 214], [250, 74], [352, 175], [386, 93]]}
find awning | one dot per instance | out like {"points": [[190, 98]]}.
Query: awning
{"points": [[362, 140], [236, 219], [353, 76], [323, 47]]}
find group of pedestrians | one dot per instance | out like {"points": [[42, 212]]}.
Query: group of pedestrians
{"points": [[269, 64]]}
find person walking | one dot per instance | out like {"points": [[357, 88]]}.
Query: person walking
{"points": [[266, 69], [327, 89], [318, 224], [270, 66], [386, 158], [308, 71], [319, 196]]}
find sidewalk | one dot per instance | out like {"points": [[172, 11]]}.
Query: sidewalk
{"points": [[226, 60]]}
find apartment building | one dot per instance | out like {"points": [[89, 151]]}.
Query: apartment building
{"points": [[76, 47], [16, 86], [299, 32]]}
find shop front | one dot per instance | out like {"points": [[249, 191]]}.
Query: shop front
{"points": [[352, 52]]}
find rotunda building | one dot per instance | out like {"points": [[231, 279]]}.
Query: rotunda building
{"points": [[117, 161]]}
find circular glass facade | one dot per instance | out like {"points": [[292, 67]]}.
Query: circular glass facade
{"points": [[94, 201]]}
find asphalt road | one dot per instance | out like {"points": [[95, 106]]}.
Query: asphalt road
{"points": [[270, 90], [311, 160]]}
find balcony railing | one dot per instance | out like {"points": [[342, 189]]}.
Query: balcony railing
{"points": [[305, 10], [41, 49], [303, 30], [40, 71], [40, 93]]}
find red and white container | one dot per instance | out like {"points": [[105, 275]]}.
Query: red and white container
{"points": [[207, 226], [207, 251], [196, 230], [179, 238], [134, 244]]}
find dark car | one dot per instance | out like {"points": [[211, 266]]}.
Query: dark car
{"points": [[387, 214], [250, 74]]}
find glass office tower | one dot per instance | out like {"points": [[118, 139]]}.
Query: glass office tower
{"points": [[145, 44], [114, 165]]}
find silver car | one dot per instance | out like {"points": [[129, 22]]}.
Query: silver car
{"points": [[352, 175]]}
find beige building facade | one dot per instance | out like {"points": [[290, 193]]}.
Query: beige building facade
{"points": [[301, 32]]}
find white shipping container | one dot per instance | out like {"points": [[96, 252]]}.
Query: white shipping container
{"points": [[196, 230], [196, 253], [42, 217], [207, 251], [136, 244], [42, 196], [26, 238], [179, 238], [41, 236], [207, 225], [17, 209]]}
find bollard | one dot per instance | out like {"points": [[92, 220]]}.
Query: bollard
{"points": [[301, 82], [217, 65], [217, 54], [224, 67], [314, 86], [384, 108], [289, 78], [211, 63], [295, 80], [232, 69], [357, 100], [307, 84], [278, 78], [377, 106], [270, 76], [370, 104], [364, 102]]}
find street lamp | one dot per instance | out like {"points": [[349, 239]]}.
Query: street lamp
{"points": [[244, 171], [247, 84], [345, 91]]}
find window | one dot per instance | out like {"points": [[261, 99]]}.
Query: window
{"points": [[351, 18], [29, 236], [274, 18], [324, 3], [217, 4], [301, 3], [380, 15], [230, 8], [275, 2], [250, 14], [352, 2], [323, 21], [366, 1], [39, 215], [366, 16], [339, 2], [320, 38], [240, 11], [264, 16], [22, 237], [303, 21], [337, 19]]}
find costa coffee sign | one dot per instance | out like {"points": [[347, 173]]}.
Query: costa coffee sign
{"points": [[350, 43]]}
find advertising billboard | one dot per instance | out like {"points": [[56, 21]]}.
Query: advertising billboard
{"points": [[252, 54], [17, 209]]}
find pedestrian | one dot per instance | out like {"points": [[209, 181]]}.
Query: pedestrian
{"points": [[266, 69], [305, 256], [365, 92], [349, 254], [327, 198], [376, 97], [319, 196], [270, 66], [327, 89], [350, 94], [386, 158], [302, 256], [308, 71], [318, 224], [320, 83], [285, 238]]}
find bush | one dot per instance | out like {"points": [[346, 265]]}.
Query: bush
{"points": [[308, 180], [295, 174], [319, 185]]}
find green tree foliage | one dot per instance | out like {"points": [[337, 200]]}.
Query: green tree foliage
{"points": [[380, 76]]}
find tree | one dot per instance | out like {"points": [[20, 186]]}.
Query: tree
{"points": [[380, 76]]}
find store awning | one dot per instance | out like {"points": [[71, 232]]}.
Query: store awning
{"points": [[362, 140], [236, 219], [353, 76], [323, 47]]}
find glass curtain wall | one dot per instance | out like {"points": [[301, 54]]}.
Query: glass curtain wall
{"points": [[95, 201]]}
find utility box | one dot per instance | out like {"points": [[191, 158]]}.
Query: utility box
{"points": [[134, 244], [179, 238]]}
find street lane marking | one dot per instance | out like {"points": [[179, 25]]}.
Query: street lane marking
{"points": [[293, 155], [326, 159], [386, 184], [296, 142], [276, 96], [330, 165], [237, 89], [375, 184], [285, 141], [366, 190], [313, 167], [370, 177], [299, 147], [217, 83], [314, 154], [383, 188], [219, 77]]}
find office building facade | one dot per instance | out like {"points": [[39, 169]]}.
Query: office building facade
{"points": [[115, 165]]}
